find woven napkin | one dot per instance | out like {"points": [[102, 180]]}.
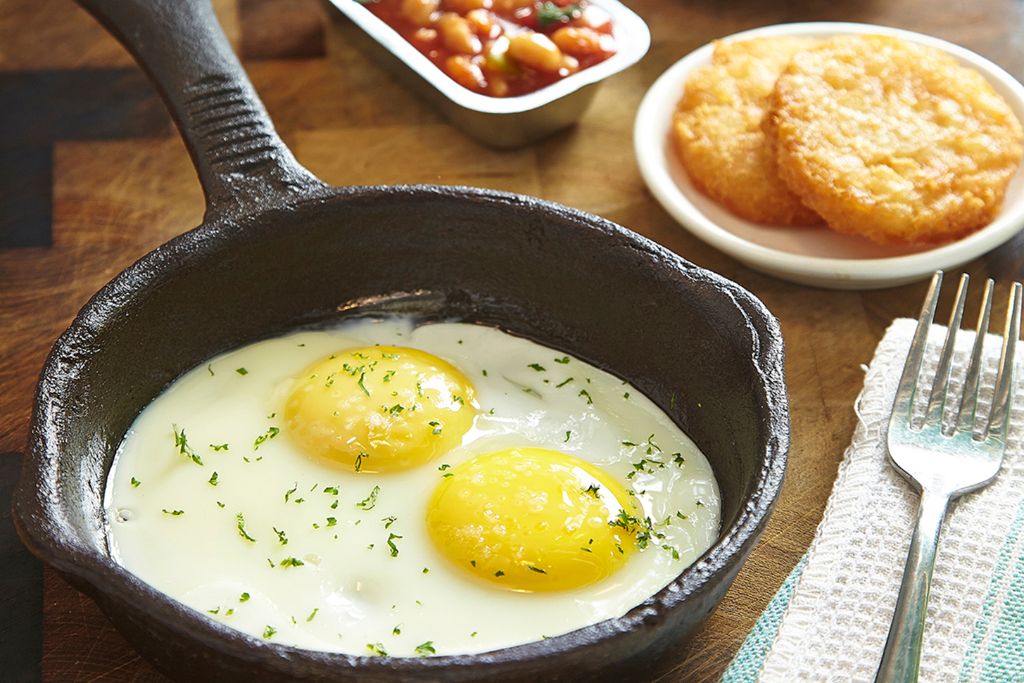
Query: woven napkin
{"points": [[829, 620]]}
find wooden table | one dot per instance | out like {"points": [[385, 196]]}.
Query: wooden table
{"points": [[93, 175]]}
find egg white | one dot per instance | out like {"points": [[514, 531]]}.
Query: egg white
{"points": [[353, 591]]}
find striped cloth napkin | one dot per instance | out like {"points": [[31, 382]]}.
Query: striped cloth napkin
{"points": [[829, 620]]}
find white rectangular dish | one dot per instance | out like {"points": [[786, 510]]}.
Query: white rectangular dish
{"points": [[501, 121]]}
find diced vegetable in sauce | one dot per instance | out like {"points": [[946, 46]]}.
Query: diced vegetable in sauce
{"points": [[503, 48]]}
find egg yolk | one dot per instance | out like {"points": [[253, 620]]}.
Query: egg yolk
{"points": [[532, 519], [380, 408]]}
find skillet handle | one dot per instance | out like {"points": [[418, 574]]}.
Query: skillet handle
{"points": [[242, 163]]}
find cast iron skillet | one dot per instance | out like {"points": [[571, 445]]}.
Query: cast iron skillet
{"points": [[279, 249]]}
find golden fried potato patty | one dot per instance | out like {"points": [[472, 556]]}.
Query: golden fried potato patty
{"points": [[892, 140], [719, 136]]}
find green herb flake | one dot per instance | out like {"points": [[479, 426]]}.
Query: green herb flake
{"points": [[626, 396], [586, 394], [269, 632], [289, 492], [244, 597], [370, 501], [568, 435], [437, 427], [282, 538], [537, 366], [332, 521], [135, 483], [240, 525], [173, 513], [388, 521], [563, 383], [564, 360], [220, 504], [181, 443], [397, 630], [333, 490], [242, 371], [499, 573], [358, 465], [219, 446], [392, 548], [593, 490], [377, 649], [212, 481], [291, 562], [209, 369], [426, 570], [312, 614], [263, 438], [426, 649], [535, 569], [362, 386]]}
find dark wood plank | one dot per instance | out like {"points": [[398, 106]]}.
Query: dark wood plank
{"points": [[21, 591]]}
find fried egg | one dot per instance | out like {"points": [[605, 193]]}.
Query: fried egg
{"points": [[382, 488]]}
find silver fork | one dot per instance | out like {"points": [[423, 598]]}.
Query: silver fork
{"points": [[943, 462]]}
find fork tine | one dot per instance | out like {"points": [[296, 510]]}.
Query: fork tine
{"points": [[965, 416], [999, 419], [904, 403], [937, 399]]}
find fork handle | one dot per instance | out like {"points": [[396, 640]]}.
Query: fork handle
{"points": [[901, 659]]}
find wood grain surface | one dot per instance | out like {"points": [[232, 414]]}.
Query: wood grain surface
{"points": [[93, 175]]}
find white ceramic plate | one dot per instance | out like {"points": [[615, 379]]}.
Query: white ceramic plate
{"points": [[814, 256]]}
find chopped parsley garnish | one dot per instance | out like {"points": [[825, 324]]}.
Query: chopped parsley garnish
{"points": [[269, 632], [291, 562], [567, 435], [388, 521], [392, 548], [242, 371], [312, 614], [537, 366], [396, 409], [362, 386], [263, 438], [564, 360], [499, 573], [215, 610], [671, 550], [642, 529], [333, 490], [426, 570], [586, 394], [220, 504], [535, 569], [135, 483], [628, 444], [282, 538], [563, 383], [244, 597], [388, 375], [181, 442], [332, 521], [377, 649], [240, 519], [212, 481], [219, 446], [443, 467], [437, 427], [289, 492], [427, 648], [359, 460], [397, 631], [209, 368], [592, 490], [173, 513], [678, 459], [371, 500], [626, 396], [334, 505]]}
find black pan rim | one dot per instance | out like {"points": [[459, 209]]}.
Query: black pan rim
{"points": [[103, 579]]}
